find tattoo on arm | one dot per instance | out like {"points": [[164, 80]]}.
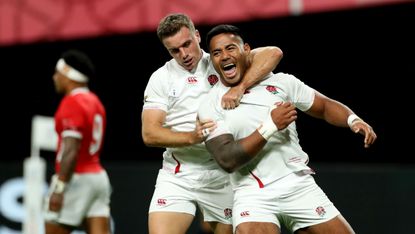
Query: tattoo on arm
{"points": [[228, 153]]}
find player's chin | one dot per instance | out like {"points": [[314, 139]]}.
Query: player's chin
{"points": [[232, 80]]}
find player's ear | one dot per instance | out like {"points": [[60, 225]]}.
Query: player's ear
{"points": [[197, 35], [247, 48]]}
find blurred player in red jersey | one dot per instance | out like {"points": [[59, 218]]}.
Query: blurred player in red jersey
{"points": [[79, 194]]}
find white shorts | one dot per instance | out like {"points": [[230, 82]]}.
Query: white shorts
{"points": [[294, 200], [210, 190], [86, 195]]}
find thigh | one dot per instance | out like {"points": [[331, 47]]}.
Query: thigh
{"points": [[76, 200], [100, 202], [55, 228], [172, 195], [257, 228], [220, 228], [255, 205], [336, 225], [98, 225], [215, 203], [305, 203], [169, 222]]}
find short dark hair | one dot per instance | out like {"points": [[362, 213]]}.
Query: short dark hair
{"points": [[223, 28], [172, 23], [79, 61]]}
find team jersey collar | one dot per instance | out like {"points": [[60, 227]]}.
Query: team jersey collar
{"points": [[79, 90], [205, 57]]}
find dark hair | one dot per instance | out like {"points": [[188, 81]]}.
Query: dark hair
{"points": [[223, 28], [79, 61], [172, 23]]}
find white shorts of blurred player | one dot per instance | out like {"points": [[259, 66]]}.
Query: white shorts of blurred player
{"points": [[86, 195]]}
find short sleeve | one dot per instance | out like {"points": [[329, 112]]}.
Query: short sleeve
{"points": [[299, 93], [155, 94], [71, 119]]}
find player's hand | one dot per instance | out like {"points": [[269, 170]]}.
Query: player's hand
{"points": [[56, 202], [360, 126], [203, 129], [231, 99], [283, 115]]}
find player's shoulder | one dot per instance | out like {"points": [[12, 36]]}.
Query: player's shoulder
{"points": [[70, 102], [170, 68], [283, 75], [279, 79]]}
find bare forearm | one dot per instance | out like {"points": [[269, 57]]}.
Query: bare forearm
{"points": [[67, 165], [165, 137], [336, 113], [252, 144], [71, 147], [231, 154], [154, 133], [263, 61]]}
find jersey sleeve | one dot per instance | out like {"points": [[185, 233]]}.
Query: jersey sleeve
{"points": [[155, 94], [299, 93], [72, 119]]}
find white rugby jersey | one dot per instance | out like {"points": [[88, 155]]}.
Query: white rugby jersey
{"points": [[179, 93], [282, 154]]}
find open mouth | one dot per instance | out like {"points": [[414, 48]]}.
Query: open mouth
{"points": [[229, 69], [188, 62]]}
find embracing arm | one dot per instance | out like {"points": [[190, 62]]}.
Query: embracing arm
{"points": [[231, 154], [263, 60], [338, 114], [154, 134]]}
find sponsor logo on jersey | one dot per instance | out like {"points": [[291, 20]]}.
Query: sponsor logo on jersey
{"points": [[213, 79], [192, 80], [161, 202]]}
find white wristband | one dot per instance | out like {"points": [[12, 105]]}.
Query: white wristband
{"points": [[351, 119], [268, 128], [59, 186]]}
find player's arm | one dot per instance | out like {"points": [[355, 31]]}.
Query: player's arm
{"points": [[231, 154], [263, 60], [338, 114], [71, 147], [154, 134]]}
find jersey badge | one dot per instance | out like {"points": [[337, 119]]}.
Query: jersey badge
{"points": [[213, 79], [320, 211], [272, 89], [228, 213]]}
